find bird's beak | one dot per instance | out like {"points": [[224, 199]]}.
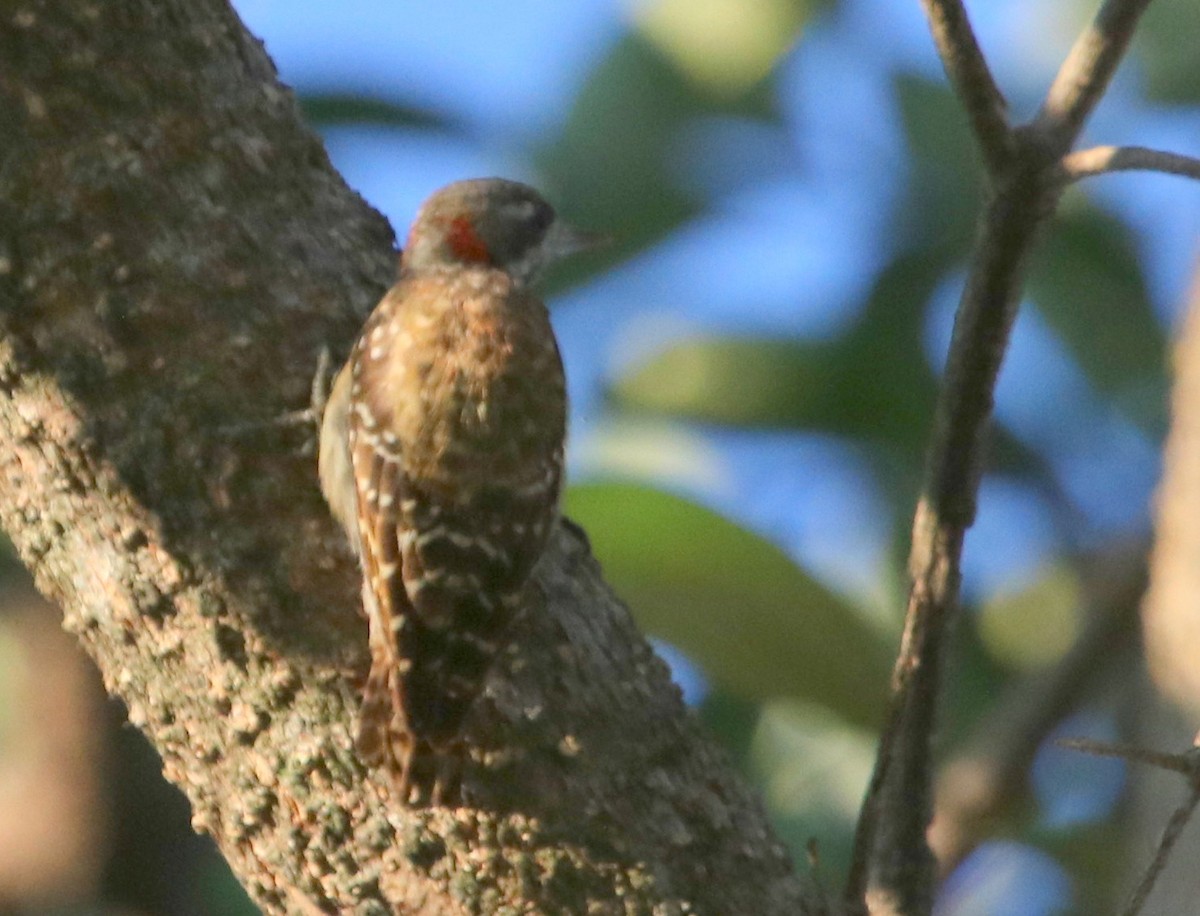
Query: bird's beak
{"points": [[564, 240]]}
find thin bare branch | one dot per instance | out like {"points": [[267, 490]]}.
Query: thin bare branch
{"points": [[1187, 764], [1087, 71], [972, 80], [1171, 834], [893, 868], [1176, 763], [1100, 160]]}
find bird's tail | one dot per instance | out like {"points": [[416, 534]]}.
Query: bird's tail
{"points": [[420, 772]]}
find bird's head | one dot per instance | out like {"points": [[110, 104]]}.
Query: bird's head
{"points": [[492, 222]]}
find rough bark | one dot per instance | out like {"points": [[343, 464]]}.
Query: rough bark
{"points": [[174, 251]]}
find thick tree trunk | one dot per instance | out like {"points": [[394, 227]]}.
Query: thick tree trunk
{"points": [[174, 251]]}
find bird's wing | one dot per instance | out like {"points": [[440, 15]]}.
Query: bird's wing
{"points": [[384, 736]]}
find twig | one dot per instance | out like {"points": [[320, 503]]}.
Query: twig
{"points": [[887, 849], [1087, 71], [892, 868], [1188, 764], [1171, 833], [1176, 763], [1099, 160], [972, 80]]}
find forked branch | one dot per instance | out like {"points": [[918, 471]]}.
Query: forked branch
{"points": [[893, 869]]}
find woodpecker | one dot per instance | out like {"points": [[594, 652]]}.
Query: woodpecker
{"points": [[441, 454]]}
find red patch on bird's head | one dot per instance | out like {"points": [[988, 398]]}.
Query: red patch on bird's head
{"points": [[465, 242]]}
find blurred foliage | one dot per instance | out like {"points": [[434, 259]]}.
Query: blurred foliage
{"points": [[736, 603], [612, 163], [797, 671], [1087, 283], [870, 385], [1049, 605], [725, 45], [608, 160], [1087, 850], [329, 109], [732, 718], [974, 679], [1166, 49], [813, 769], [946, 185]]}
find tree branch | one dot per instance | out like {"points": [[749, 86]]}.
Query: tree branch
{"points": [[1187, 764], [892, 865], [1176, 763], [175, 250], [1169, 629], [1171, 833], [1087, 71], [1100, 160], [972, 79], [892, 869]]}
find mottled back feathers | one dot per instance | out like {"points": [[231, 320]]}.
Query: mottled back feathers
{"points": [[456, 427]]}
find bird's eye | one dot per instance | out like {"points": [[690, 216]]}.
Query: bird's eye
{"points": [[521, 211]]}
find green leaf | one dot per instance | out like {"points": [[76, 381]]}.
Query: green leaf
{"points": [[325, 109], [814, 769], [614, 166], [1165, 43], [724, 45], [1087, 282], [753, 620], [1034, 625], [872, 382], [744, 381], [733, 719], [220, 891], [872, 385], [947, 177]]}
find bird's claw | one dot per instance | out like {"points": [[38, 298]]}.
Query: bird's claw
{"points": [[306, 417]]}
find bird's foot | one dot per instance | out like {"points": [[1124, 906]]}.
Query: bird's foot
{"points": [[307, 418]]}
